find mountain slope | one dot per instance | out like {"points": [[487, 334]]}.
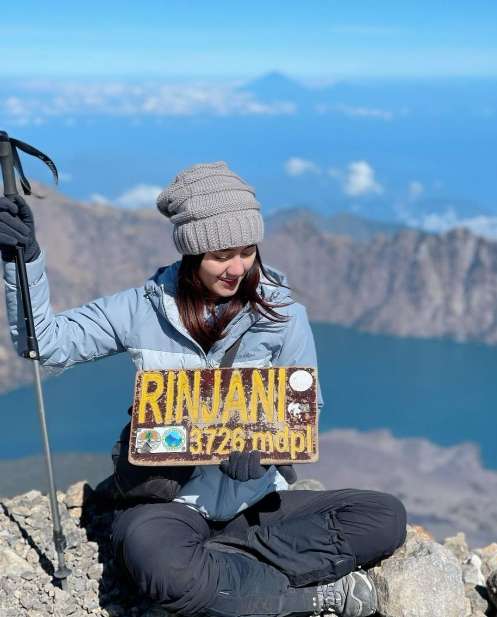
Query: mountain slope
{"points": [[407, 283]]}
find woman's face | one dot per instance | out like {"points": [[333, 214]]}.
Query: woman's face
{"points": [[222, 271]]}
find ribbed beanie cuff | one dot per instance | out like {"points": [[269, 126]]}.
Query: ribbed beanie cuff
{"points": [[219, 232]]}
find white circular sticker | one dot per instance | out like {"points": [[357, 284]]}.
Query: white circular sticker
{"points": [[300, 381]]}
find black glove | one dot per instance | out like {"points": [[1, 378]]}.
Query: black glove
{"points": [[17, 227], [243, 466], [288, 472]]}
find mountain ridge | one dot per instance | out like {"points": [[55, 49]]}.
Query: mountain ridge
{"points": [[402, 282]]}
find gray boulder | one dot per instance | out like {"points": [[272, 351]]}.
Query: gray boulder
{"points": [[421, 579], [488, 556], [11, 564]]}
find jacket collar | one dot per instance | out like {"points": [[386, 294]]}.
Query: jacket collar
{"points": [[161, 289]]}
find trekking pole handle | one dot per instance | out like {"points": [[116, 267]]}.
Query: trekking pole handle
{"points": [[10, 191], [7, 164]]}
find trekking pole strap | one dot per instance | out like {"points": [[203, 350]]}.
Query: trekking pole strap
{"points": [[8, 150]]}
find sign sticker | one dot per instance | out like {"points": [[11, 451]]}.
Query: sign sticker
{"points": [[174, 439], [300, 381], [148, 440]]}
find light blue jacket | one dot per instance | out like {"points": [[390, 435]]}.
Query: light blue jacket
{"points": [[145, 322]]}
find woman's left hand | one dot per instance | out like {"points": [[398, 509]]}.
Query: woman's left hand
{"points": [[243, 466]]}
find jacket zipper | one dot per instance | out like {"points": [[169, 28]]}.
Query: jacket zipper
{"points": [[185, 333]]}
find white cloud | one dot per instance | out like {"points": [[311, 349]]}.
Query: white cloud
{"points": [[360, 180], [139, 196], [15, 106], [435, 222], [485, 226], [349, 110], [415, 190], [296, 166], [98, 198], [366, 112], [43, 99]]}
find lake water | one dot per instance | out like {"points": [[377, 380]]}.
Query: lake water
{"points": [[440, 390]]}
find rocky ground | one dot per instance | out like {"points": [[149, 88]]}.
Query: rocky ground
{"points": [[422, 579], [444, 489]]}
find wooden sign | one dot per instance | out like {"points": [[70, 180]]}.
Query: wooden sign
{"points": [[190, 417]]}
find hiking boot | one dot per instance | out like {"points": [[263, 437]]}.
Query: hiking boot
{"points": [[353, 595]]}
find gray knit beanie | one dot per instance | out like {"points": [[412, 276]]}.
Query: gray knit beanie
{"points": [[211, 208]]}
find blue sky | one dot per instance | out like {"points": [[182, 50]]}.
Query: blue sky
{"points": [[321, 40], [386, 109]]}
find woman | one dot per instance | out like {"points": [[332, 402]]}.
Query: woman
{"points": [[234, 541]]}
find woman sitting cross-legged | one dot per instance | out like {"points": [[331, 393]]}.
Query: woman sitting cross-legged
{"points": [[234, 541]]}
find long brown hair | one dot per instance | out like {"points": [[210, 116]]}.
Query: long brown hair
{"points": [[192, 299]]}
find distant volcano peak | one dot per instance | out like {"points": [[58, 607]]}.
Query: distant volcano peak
{"points": [[275, 85]]}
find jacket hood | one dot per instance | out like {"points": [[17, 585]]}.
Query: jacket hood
{"points": [[167, 276]]}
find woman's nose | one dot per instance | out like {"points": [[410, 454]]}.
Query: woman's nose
{"points": [[236, 267]]}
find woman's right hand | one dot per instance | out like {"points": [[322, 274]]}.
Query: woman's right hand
{"points": [[243, 466], [17, 227]]}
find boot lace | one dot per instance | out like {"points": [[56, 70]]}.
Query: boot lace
{"points": [[330, 600]]}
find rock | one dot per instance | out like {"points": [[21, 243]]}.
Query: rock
{"points": [[421, 579], [492, 588], [422, 533], [458, 546], [76, 513], [11, 564], [64, 602], [488, 556], [471, 571], [307, 484], [32, 497], [95, 571], [477, 597], [90, 601], [21, 511], [78, 494]]}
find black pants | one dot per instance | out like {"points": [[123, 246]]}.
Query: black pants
{"points": [[255, 563]]}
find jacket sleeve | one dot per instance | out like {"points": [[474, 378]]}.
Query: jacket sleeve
{"points": [[298, 346], [64, 339]]}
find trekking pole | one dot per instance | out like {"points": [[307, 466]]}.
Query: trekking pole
{"points": [[9, 161]]}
